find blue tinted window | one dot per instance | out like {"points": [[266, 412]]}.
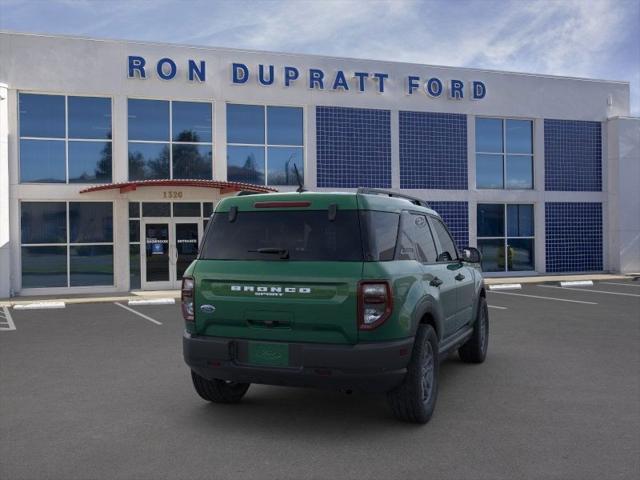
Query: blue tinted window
{"points": [[148, 120], [245, 124], [41, 115], [284, 126], [245, 164], [520, 254], [281, 162], [44, 267], [490, 220], [42, 161], [89, 117], [134, 230], [91, 265], [493, 257], [489, 135], [191, 122], [519, 138], [89, 162], [520, 171], [148, 161], [134, 267], [43, 222], [192, 161], [90, 222], [156, 209], [186, 209], [520, 220], [489, 171]]}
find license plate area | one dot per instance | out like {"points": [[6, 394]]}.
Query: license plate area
{"points": [[268, 354]]}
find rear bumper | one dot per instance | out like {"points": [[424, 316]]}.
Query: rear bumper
{"points": [[369, 367]]}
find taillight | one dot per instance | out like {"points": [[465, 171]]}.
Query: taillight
{"points": [[375, 303], [187, 299]]}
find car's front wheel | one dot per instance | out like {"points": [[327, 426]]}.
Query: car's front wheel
{"points": [[415, 399], [219, 391]]}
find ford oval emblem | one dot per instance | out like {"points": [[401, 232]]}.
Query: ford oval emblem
{"points": [[207, 308]]}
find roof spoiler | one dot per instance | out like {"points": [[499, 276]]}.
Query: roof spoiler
{"points": [[389, 193]]}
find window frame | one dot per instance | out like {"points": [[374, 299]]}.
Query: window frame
{"points": [[66, 139], [506, 236], [266, 145], [170, 142], [432, 218], [504, 154]]}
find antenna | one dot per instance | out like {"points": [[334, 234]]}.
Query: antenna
{"points": [[300, 188]]}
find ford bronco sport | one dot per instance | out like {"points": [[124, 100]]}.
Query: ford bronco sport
{"points": [[352, 291]]}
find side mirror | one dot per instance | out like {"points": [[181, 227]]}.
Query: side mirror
{"points": [[471, 255]]}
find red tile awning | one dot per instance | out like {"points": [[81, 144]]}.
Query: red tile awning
{"points": [[224, 187]]}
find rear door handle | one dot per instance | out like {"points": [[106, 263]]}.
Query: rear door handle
{"points": [[459, 277], [436, 282]]}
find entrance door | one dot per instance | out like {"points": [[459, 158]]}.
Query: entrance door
{"points": [[170, 247]]}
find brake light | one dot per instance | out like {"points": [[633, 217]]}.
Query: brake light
{"points": [[281, 204], [375, 303], [187, 299]]}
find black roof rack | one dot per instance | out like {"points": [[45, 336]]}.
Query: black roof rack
{"points": [[389, 193]]}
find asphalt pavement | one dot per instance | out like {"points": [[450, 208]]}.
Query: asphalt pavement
{"points": [[97, 391]]}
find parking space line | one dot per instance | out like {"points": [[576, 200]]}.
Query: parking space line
{"points": [[546, 298], [497, 307], [8, 321], [138, 313], [621, 284], [591, 290]]}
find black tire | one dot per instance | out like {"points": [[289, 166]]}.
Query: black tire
{"points": [[415, 399], [474, 350], [219, 391]]}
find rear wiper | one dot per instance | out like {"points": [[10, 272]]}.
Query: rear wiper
{"points": [[283, 252]]}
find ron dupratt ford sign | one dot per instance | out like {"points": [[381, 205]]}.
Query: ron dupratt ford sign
{"points": [[314, 78]]}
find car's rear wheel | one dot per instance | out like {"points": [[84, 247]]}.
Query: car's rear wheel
{"points": [[415, 399], [219, 391], [475, 349]]}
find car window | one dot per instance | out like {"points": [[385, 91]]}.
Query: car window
{"points": [[447, 251], [416, 242], [379, 234]]}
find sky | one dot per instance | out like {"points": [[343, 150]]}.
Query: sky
{"points": [[580, 38]]}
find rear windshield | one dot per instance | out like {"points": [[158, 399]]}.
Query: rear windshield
{"points": [[306, 235]]}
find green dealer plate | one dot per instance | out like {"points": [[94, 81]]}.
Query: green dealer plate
{"points": [[269, 354]]}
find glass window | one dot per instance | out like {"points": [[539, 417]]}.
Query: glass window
{"points": [[416, 241], [91, 265], [42, 115], [148, 161], [42, 161], [89, 162], [519, 172], [156, 209], [447, 251], [134, 210], [519, 136], [192, 161], [44, 267], [493, 258], [380, 234], [284, 126], [191, 122], [520, 220], [245, 164], [245, 124], [490, 220], [520, 254], [281, 165], [90, 222], [134, 266], [181, 209], [489, 172], [89, 117], [489, 135], [134, 230], [207, 209], [148, 119], [43, 222]]}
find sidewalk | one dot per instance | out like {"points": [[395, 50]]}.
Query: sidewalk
{"points": [[175, 294]]}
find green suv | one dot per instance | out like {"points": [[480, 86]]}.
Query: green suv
{"points": [[357, 291]]}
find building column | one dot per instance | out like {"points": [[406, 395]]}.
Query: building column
{"points": [[5, 244]]}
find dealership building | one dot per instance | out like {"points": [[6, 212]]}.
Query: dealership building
{"points": [[113, 155]]}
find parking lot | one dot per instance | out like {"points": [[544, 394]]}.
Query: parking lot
{"points": [[101, 391]]}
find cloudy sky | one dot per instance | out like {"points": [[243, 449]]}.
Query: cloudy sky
{"points": [[583, 38]]}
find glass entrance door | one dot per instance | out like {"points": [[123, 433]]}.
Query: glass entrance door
{"points": [[186, 241]]}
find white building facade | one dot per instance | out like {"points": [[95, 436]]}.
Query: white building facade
{"points": [[113, 155]]}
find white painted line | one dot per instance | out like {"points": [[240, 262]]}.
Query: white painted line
{"points": [[497, 307], [152, 301], [591, 290], [505, 286], [39, 305], [138, 313], [547, 298], [577, 283], [621, 284], [9, 321]]}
